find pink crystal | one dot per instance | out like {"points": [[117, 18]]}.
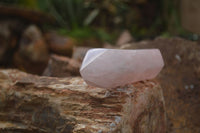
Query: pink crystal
{"points": [[109, 68]]}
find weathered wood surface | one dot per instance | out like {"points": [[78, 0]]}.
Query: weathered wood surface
{"points": [[32, 104]]}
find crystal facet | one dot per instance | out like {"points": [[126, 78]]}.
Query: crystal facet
{"points": [[109, 68]]}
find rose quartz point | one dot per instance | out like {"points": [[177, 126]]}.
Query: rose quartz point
{"points": [[110, 68]]}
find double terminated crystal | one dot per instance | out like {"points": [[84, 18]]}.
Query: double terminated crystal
{"points": [[109, 68]]}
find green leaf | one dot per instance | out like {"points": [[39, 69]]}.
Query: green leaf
{"points": [[91, 17]]}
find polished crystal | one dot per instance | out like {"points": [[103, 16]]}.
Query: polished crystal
{"points": [[110, 68]]}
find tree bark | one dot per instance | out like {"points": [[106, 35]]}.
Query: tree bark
{"points": [[33, 104]]}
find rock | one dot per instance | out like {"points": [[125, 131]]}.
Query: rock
{"points": [[13, 21], [180, 81], [10, 31], [108, 45], [60, 66], [124, 38], [90, 42], [60, 44], [79, 53], [32, 54], [190, 15], [31, 103]]}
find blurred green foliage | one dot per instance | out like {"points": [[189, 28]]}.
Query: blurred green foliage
{"points": [[106, 18], [71, 14]]}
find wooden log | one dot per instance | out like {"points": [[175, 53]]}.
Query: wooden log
{"points": [[32, 16], [33, 104]]}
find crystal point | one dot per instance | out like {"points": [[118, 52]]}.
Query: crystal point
{"points": [[109, 68]]}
